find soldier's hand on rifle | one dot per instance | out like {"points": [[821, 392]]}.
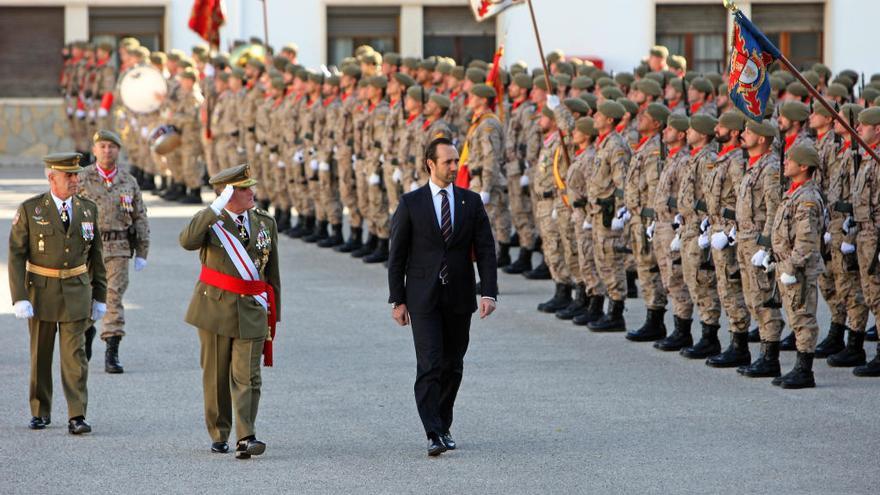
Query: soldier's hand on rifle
{"points": [[374, 179], [552, 102], [847, 248], [397, 175], [731, 237], [703, 240], [649, 232], [826, 237], [768, 264], [587, 225], [787, 279], [848, 224], [675, 245], [719, 240], [484, 196], [677, 221], [759, 257], [620, 219], [524, 181], [704, 225]]}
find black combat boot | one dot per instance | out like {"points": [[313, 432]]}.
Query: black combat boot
{"points": [[335, 239], [788, 343], [540, 272], [871, 334], [612, 321], [174, 191], [503, 254], [737, 353], [632, 291], [755, 335], [680, 337], [560, 299], [111, 356], [852, 355], [871, 368], [594, 311], [708, 345], [149, 182], [514, 240], [163, 187], [367, 247], [353, 243], [380, 255], [522, 264], [767, 364], [833, 342], [801, 376], [319, 234], [577, 306], [90, 337], [653, 329], [295, 231], [193, 197], [308, 227], [283, 221]]}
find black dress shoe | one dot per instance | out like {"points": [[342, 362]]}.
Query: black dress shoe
{"points": [[249, 446], [219, 447], [38, 423], [436, 446], [448, 441], [78, 426]]}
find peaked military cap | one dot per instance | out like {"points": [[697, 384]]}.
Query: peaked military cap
{"points": [[64, 162], [238, 176]]}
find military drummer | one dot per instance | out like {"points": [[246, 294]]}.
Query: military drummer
{"points": [[58, 283], [235, 305]]}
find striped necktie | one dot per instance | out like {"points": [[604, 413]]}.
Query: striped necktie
{"points": [[445, 231]]}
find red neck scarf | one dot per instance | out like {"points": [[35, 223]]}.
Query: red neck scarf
{"points": [[794, 187]]}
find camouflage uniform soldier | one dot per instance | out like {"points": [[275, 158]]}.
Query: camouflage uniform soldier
{"points": [[459, 115], [360, 166], [78, 89], [642, 177], [392, 175], [345, 157], [699, 92], [104, 86], [125, 231], [293, 115], [311, 125], [248, 119], [434, 127], [410, 144], [270, 152], [185, 116], [796, 243], [759, 196], [328, 173], [224, 126], [70, 90], [373, 136]]}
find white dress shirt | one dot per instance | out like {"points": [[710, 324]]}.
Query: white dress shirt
{"points": [[58, 202], [438, 199], [246, 221]]}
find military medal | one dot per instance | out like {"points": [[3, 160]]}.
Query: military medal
{"points": [[88, 231], [125, 202]]}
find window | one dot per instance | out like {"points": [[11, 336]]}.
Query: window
{"points": [[796, 29], [453, 32], [111, 24], [32, 39], [696, 31], [351, 27]]}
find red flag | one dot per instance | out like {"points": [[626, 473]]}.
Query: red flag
{"points": [[494, 80], [206, 18], [484, 9]]}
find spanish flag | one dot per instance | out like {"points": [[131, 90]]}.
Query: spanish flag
{"points": [[206, 18]]}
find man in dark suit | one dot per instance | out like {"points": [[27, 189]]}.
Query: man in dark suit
{"points": [[434, 234]]}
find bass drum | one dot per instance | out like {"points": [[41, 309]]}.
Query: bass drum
{"points": [[139, 87], [164, 139]]}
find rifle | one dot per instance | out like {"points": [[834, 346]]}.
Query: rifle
{"points": [[854, 147], [685, 97]]}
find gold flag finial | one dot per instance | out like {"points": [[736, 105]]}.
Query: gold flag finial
{"points": [[730, 5]]}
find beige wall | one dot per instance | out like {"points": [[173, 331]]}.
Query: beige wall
{"points": [[33, 127]]}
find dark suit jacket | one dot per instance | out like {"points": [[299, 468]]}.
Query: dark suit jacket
{"points": [[417, 250]]}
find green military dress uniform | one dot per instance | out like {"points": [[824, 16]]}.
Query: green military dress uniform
{"points": [[60, 271], [232, 327]]}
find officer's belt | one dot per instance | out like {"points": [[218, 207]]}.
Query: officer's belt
{"points": [[114, 235], [61, 273], [843, 207]]}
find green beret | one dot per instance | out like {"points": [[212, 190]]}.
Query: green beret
{"points": [[363, 83], [723, 89], [290, 48], [332, 80], [811, 77], [733, 120], [714, 78], [64, 162], [658, 112], [702, 85], [202, 48], [555, 56], [563, 79], [417, 93], [441, 100], [586, 70], [660, 51], [642, 70], [143, 53], [704, 124], [657, 77], [523, 80], [785, 75], [591, 100], [404, 79], [158, 58], [238, 73], [869, 94], [316, 77], [612, 109], [256, 64], [629, 105], [624, 78], [445, 68], [822, 70], [370, 58], [541, 83], [797, 89], [411, 63], [764, 128], [605, 82], [851, 111], [278, 83], [483, 90], [850, 74], [537, 72], [379, 82], [875, 77], [223, 76], [582, 83], [351, 70], [184, 62], [795, 111], [675, 62], [612, 93], [129, 42], [107, 135], [587, 126], [279, 62], [548, 113], [221, 59], [302, 74], [428, 64], [870, 116], [564, 68], [189, 73], [820, 109], [107, 47], [649, 87], [679, 122], [877, 101], [519, 65], [392, 58], [804, 155], [577, 105], [478, 64], [458, 72], [476, 75]]}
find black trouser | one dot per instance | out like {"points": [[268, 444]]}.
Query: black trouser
{"points": [[441, 341]]}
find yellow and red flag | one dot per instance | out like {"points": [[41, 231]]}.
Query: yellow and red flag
{"points": [[484, 9], [494, 80], [206, 18]]}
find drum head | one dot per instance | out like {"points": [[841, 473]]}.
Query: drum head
{"points": [[166, 143], [138, 88]]}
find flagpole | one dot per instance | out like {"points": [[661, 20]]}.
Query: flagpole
{"points": [[547, 77], [265, 25], [731, 5]]}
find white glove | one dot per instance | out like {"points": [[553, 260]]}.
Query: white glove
{"points": [[139, 264], [826, 237], [768, 264], [758, 258], [847, 248], [553, 214], [23, 310], [324, 167], [313, 164], [91, 115], [98, 310], [848, 224], [397, 175], [675, 245], [524, 181], [298, 157], [719, 240], [102, 112], [354, 162], [731, 237], [485, 197], [80, 113], [239, 150], [382, 158], [623, 214], [335, 150], [678, 220], [704, 225], [258, 147], [70, 111], [703, 240], [552, 102], [587, 225], [787, 279], [413, 186], [374, 179], [273, 157], [617, 224], [145, 132], [280, 164], [649, 232], [222, 199]]}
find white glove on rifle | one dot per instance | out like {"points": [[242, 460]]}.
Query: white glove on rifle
{"points": [[847, 248], [258, 147], [675, 245], [485, 197], [649, 232], [273, 157], [313, 164], [553, 214], [826, 237], [617, 224], [758, 258], [280, 164], [624, 214], [98, 310], [587, 225], [552, 102], [678, 221], [787, 279], [145, 132], [397, 175], [524, 181], [703, 240], [102, 112], [704, 225], [221, 201], [23, 310], [139, 264], [413, 186], [80, 113], [323, 167], [731, 237], [849, 224], [298, 157], [374, 179], [719, 240]]}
